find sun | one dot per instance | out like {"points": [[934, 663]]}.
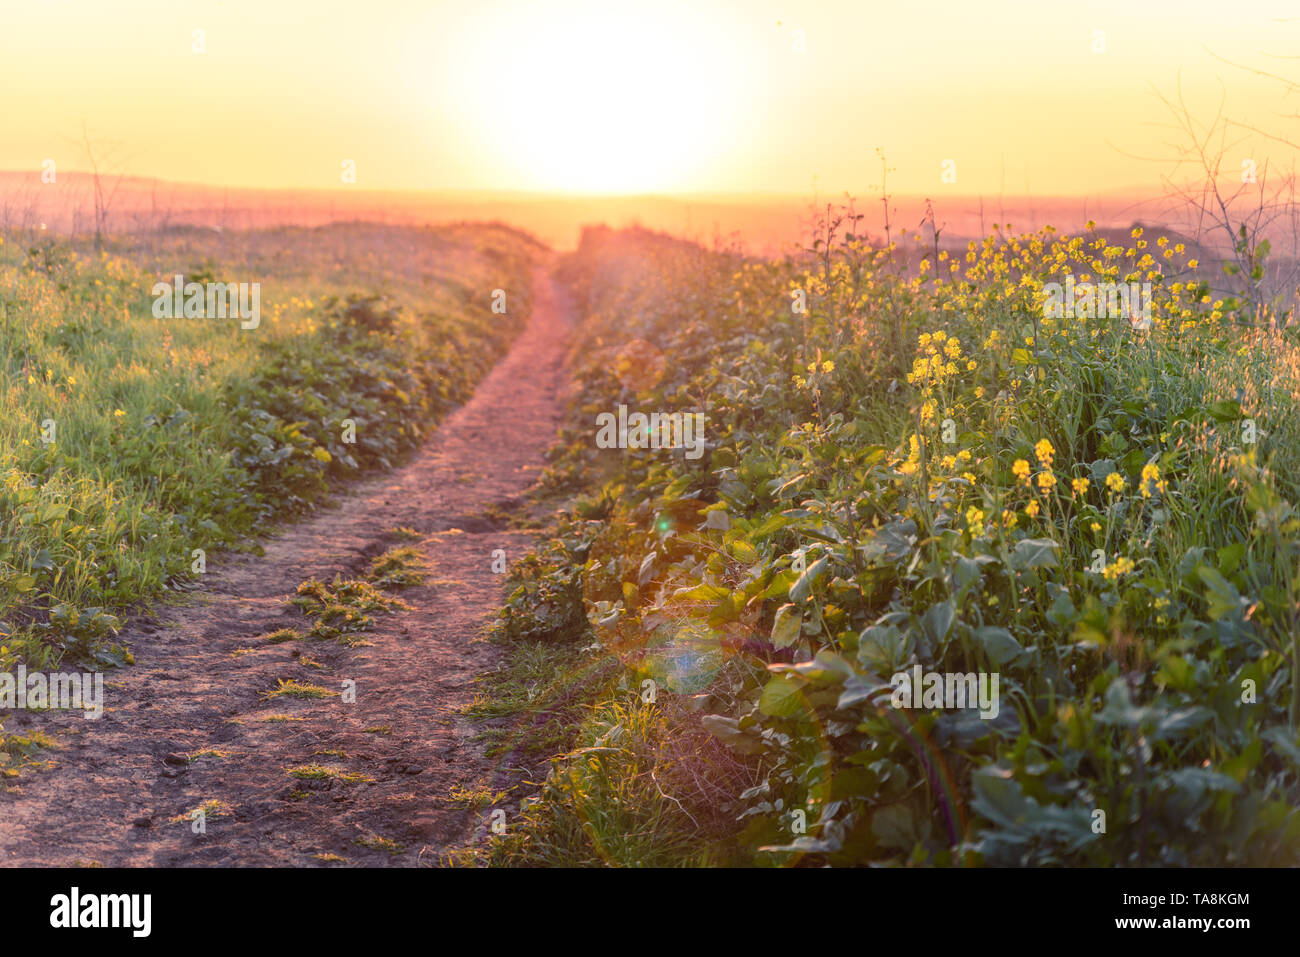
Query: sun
{"points": [[600, 100]]}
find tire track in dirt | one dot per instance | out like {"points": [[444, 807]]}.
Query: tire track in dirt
{"points": [[113, 798]]}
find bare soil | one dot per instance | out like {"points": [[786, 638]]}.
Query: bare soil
{"points": [[121, 789]]}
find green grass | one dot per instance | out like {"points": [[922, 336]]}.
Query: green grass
{"points": [[894, 478], [377, 843], [176, 435], [339, 609], [298, 689], [399, 567], [320, 772]]}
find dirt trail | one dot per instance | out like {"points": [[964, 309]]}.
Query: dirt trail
{"points": [[113, 798]]}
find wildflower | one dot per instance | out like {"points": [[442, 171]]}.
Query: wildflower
{"points": [[828, 366], [1151, 480], [1115, 482], [1192, 264], [118, 413], [1046, 481], [1032, 509], [974, 517], [1020, 469], [1095, 526], [1044, 451], [1120, 566], [1079, 485]]}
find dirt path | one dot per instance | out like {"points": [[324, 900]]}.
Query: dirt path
{"points": [[113, 798]]}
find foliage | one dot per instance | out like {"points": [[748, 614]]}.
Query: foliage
{"points": [[930, 470]]}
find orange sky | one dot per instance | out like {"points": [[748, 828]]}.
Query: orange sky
{"points": [[668, 96]]}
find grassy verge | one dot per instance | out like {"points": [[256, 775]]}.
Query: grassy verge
{"points": [[132, 447], [906, 472]]}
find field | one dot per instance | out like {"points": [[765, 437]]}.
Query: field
{"points": [[128, 443], [919, 474]]}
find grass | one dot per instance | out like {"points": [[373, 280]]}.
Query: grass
{"points": [[210, 753], [294, 688], [208, 810], [21, 751], [475, 798], [918, 471], [127, 442], [400, 567], [320, 772], [377, 843], [340, 610]]}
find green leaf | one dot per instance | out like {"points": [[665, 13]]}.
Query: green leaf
{"points": [[781, 697], [894, 827], [787, 625], [937, 621], [800, 590], [1034, 553], [727, 730], [998, 644], [705, 592], [1226, 411], [1223, 597]]}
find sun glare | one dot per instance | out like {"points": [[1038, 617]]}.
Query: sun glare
{"points": [[602, 102]]}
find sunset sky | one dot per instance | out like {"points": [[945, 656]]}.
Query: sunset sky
{"points": [[669, 96]]}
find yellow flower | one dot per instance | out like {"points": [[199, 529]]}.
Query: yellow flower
{"points": [[1151, 480], [1044, 451], [1095, 526], [1192, 263], [1120, 566], [1032, 509], [828, 366], [118, 413], [1009, 518], [1020, 469], [1115, 482], [1046, 481], [1079, 485]]}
